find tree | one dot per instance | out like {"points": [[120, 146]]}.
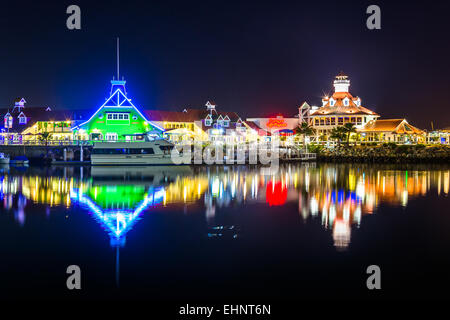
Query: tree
{"points": [[304, 130], [338, 134], [348, 128], [45, 136]]}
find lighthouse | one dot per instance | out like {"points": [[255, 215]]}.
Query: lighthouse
{"points": [[341, 83]]}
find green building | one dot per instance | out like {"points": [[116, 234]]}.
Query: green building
{"points": [[117, 120]]}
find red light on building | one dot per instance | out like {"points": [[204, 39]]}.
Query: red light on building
{"points": [[276, 123]]}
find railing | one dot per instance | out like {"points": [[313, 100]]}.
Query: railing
{"points": [[48, 143]]}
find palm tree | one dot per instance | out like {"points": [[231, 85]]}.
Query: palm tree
{"points": [[348, 128], [338, 134], [304, 130], [45, 136]]}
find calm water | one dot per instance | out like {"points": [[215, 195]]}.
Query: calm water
{"points": [[215, 233]]}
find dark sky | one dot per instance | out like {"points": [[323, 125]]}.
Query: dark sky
{"points": [[254, 57]]}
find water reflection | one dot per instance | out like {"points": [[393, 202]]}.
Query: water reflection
{"points": [[337, 195]]}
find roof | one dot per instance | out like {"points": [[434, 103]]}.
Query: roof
{"points": [[174, 116], [340, 109], [258, 129], [188, 115], [35, 114], [398, 126]]}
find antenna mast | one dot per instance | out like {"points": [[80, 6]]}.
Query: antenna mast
{"points": [[118, 78]]}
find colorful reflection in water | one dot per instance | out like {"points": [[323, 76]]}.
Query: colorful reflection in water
{"points": [[338, 195]]}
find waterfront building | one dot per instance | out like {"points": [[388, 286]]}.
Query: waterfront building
{"points": [[279, 126], [276, 125], [179, 126], [118, 119], [391, 130], [339, 109], [23, 124], [201, 125], [441, 136]]}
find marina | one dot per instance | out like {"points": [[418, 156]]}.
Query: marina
{"points": [[226, 159]]}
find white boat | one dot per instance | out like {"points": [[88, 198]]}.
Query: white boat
{"points": [[157, 152], [4, 158]]}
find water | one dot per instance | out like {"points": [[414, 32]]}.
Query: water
{"points": [[215, 233]]}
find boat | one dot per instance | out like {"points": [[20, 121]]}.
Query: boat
{"points": [[156, 152], [4, 158], [20, 161]]}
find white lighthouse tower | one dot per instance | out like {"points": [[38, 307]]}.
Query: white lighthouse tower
{"points": [[341, 83]]}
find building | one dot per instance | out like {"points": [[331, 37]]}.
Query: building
{"points": [[179, 126], [441, 136], [23, 124], [391, 130], [118, 119], [339, 109], [276, 125], [200, 125]]}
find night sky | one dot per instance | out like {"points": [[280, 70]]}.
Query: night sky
{"points": [[253, 57]]}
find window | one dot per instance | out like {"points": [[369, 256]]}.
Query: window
{"points": [[327, 121], [208, 122], [226, 123], [109, 151], [340, 121], [23, 120], [332, 102], [346, 102], [123, 151], [346, 119], [116, 116], [353, 120], [333, 121], [111, 136], [316, 122], [322, 121], [359, 120], [166, 149]]}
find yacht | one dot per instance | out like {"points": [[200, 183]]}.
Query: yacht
{"points": [[156, 152], [4, 158]]}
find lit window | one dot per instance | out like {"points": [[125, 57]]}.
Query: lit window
{"points": [[346, 102]]}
